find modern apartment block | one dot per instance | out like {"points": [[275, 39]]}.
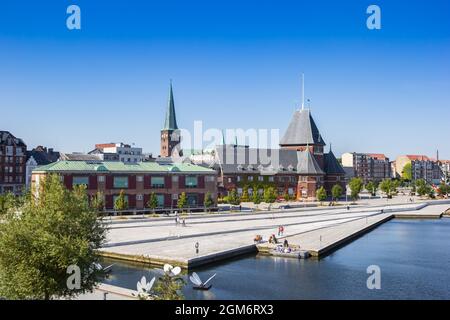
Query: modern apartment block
{"points": [[367, 166], [422, 167], [12, 163], [137, 180], [118, 152]]}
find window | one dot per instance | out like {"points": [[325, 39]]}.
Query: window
{"points": [[260, 178], [80, 180], [160, 198], [271, 179], [192, 200], [290, 191], [139, 178], [121, 182], [139, 197], [191, 182], [157, 182], [250, 178], [210, 179], [175, 179], [239, 191], [239, 178], [101, 178]]}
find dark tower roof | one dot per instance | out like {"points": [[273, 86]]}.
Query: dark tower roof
{"points": [[170, 122], [332, 166], [302, 131], [307, 164]]}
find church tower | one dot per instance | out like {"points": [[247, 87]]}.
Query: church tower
{"points": [[170, 135]]}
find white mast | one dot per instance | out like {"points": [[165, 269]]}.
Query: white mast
{"points": [[303, 91]]}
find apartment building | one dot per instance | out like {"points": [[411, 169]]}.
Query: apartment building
{"points": [[367, 166], [12, 163], [422, 167]]}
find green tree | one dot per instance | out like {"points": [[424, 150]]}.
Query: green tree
{"points": [[336, 192], [169, 288], [53, 231], [182, 201], [208, 201], [270, 195], [245, 197], [407, 172], [422, 188], [256, 197], [321, 194], [152, 202], [443, 189], [233, 198], [356, 185], [7, 202], [98, 201], [121, 202], [372, 187], [389, 187]]}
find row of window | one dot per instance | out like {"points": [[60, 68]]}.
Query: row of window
{"points": [[10, 169], [263, 178], [240, 191], [192, 199], [121, 182], [10, 179], [11, 159], [9, 151]]}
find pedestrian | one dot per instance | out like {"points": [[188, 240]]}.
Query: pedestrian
{"points": [[279, 230], [176, 221], [282, 230], [184, 222]]}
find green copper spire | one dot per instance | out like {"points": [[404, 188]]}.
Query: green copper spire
{"points": [[170, 122]]}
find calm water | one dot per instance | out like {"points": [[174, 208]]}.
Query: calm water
{"points": [[414, 257]]}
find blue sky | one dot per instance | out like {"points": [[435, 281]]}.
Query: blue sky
{"points": [[234, 64]]}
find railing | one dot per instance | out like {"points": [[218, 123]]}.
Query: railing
{"points": [[166, 211]]}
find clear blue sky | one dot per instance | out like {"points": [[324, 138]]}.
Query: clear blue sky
{"points": [[234, 64]]}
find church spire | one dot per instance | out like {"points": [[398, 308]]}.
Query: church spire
{"points": [[170, 122]]}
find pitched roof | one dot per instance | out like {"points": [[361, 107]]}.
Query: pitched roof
{"points": [[79, 157], [170, 122], [417, 157], [42, 157], [332, 165], [116, 166], [4, 135], [302, 130], [307, 164], [233, 159], [379, 156]]}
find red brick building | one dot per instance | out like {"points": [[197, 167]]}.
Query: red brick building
{"points": [[12, 163], [138, 181], [298, 168]]}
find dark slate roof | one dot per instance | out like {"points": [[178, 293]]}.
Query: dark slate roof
{"points": [[332, 165], [242, 159], [302, 130], [4, 135], [170, 122], [42, 157], [233, 159], [307, 164]]}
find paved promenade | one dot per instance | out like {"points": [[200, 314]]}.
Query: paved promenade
{"points": [[159, 240]]}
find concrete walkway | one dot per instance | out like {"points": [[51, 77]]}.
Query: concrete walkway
{"points": [[159, 241]]}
